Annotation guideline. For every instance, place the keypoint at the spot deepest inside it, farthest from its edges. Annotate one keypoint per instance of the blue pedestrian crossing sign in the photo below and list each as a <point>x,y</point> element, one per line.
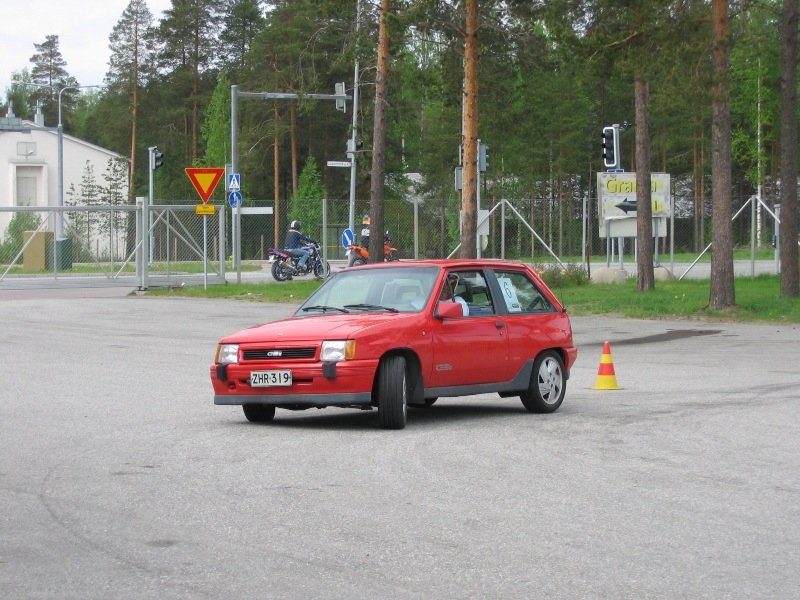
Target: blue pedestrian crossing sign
<point>234,182</point>
<point>235,199</point>
<point>347,237</point>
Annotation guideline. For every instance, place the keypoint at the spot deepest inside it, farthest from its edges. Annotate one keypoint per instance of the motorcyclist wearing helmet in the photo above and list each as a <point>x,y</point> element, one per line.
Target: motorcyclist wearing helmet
<point>365,223</point>
<point>294,243</point>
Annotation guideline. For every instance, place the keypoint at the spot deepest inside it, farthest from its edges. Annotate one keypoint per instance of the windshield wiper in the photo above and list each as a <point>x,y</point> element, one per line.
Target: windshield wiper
<point>324,308</point>
<point>371,307</point>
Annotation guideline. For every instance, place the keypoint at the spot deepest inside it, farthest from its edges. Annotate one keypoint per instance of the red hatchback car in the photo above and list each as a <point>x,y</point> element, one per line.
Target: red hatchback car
<point>391,335</point>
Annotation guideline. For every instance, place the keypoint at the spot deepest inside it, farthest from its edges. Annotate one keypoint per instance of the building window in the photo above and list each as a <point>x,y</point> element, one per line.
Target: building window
<point>26,148</point>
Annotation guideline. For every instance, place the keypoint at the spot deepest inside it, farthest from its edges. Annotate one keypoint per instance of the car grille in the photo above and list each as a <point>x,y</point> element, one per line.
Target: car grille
<point>278,353</point>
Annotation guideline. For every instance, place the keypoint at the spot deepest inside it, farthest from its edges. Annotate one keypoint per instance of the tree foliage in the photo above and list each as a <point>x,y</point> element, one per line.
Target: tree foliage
<point>551,75</point>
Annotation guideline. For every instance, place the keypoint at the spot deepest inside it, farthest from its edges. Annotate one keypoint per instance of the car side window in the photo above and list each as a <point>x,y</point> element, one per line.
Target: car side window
<point>521,295</point>
<point>470,289</point>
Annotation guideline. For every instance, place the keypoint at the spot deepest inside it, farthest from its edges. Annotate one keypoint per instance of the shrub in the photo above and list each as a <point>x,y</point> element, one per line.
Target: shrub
<point>556,276</point>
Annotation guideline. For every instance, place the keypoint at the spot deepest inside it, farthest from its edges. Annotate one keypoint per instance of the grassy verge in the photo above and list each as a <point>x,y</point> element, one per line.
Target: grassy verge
<point>130,267</point>
<point>757,299</point>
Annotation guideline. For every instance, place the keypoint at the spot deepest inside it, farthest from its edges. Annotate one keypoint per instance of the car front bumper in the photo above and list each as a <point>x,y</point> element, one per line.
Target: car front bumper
<point>344,383</point>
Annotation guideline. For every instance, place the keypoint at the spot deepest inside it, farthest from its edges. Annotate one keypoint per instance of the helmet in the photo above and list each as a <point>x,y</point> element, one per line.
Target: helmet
<point>295,224</point>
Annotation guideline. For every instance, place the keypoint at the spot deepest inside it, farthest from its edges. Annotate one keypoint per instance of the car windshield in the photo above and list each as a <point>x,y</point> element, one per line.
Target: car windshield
<point>365,289</point>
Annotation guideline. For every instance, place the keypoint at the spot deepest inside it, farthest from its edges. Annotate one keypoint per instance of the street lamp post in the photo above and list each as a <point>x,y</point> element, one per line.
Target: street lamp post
<point>60,129</point>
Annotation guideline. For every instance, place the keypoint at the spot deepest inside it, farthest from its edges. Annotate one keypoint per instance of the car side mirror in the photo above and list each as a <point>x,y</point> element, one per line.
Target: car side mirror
<point>449,310</point>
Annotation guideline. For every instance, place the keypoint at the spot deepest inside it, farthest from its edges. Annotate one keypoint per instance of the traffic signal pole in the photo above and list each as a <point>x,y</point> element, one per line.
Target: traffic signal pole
<point>235,95</point>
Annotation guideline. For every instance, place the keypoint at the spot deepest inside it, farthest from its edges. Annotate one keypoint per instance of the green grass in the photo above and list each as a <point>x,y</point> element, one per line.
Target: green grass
<point>294,291</point>
<point>757,299</point>
<point>130,267</point>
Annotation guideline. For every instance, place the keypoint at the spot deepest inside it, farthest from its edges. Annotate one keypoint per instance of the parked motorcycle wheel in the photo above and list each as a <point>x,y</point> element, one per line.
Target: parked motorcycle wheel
<point>391,257</point>
<point>322,269</point>
<point>280,271</point>
<point>356,260</point>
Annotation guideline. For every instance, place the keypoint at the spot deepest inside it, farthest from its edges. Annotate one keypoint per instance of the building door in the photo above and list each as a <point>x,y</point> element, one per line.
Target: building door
<point>26,190</point>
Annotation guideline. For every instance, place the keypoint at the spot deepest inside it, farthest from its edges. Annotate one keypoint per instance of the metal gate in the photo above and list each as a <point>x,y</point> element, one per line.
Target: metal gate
<point>132,246</point>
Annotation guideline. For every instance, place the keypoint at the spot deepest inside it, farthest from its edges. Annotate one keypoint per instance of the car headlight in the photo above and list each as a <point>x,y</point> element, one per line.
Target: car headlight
<point>336,350</point>
<point>227,354</point>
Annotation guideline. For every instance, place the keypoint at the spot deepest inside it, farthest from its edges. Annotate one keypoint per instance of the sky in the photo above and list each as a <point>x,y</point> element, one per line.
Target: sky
<point>82,27</point>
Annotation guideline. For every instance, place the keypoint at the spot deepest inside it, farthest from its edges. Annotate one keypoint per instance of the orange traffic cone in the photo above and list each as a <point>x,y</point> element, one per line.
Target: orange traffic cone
<point>606,377</point>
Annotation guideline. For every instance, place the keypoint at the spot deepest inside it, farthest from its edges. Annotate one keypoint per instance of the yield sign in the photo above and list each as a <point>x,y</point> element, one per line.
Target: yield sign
<point>204,180</point>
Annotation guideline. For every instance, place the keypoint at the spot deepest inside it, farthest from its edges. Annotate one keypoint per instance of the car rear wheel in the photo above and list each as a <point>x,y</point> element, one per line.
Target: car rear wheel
<point>392,393</point>
<point>258,413</point>
<point>548,384</point>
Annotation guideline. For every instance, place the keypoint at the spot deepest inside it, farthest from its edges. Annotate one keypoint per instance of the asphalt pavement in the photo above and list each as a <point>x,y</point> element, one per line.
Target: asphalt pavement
<point>119,478</point>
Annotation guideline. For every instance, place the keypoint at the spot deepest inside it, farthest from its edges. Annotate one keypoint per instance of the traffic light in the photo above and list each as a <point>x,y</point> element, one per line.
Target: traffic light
<point>339,91</point>
<point>156,158</point>
<point>610,147</point>
<point>483,157</point>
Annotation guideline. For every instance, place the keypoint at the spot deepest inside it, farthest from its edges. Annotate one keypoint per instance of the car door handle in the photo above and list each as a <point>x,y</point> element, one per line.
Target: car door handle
<point>499,324</point>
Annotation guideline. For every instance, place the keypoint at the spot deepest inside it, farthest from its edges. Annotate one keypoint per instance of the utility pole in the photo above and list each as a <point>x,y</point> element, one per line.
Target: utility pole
<point>351,147</point>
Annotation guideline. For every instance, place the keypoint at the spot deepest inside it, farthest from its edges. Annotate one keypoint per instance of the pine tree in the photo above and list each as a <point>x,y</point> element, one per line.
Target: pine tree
<point>188,37</point>
<point>243,19</point>
<point>49,69</point>
<point>131,66</point>
<point>307,202</point>
<point>216,127</point>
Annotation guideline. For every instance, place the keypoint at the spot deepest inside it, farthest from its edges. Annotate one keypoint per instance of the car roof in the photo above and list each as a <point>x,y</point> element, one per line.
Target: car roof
<point>450,263</point>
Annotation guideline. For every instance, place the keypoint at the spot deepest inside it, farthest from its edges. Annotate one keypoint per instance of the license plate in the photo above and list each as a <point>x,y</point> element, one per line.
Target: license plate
<point>270,378</point>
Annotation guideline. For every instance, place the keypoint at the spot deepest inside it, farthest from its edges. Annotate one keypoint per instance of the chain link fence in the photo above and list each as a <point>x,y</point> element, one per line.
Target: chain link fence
<point>104,245</point>
<point>100,242</point>
<point>528,229</point>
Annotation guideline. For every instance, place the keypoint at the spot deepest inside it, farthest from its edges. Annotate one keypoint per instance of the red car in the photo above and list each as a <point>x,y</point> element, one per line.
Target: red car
<point>391,335</point>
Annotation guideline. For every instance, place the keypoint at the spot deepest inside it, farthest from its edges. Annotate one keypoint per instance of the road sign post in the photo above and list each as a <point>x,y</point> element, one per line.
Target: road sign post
<point>204,180</point>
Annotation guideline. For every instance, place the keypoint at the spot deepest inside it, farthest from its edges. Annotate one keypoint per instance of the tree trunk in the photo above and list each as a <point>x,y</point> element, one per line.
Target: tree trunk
<point>469,140</point>
<point>644,209</point>
<point>379,138</point>
<point>722,294</point>
<point>293,135</point>
<point>790,281</point>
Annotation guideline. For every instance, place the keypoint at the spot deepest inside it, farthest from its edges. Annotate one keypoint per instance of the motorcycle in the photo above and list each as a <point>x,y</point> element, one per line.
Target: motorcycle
<point>285,266</point>
<point>359,255</point>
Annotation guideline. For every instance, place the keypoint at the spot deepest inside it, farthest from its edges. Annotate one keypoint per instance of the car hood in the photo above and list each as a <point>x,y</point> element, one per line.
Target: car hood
<point>316,327</point>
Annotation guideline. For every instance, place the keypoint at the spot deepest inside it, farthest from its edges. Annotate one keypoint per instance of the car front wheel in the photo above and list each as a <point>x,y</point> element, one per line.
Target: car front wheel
<point>548,384</point>
<point>258,413</point>
<point>392,393</point>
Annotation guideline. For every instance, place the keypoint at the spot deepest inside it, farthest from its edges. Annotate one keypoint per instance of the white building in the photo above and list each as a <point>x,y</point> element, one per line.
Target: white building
<point>29,166</point>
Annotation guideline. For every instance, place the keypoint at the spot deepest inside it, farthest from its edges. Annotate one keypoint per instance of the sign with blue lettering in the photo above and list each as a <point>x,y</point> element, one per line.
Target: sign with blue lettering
<point>348,238</point>
<point>235,199</point>
<point>234,182</point>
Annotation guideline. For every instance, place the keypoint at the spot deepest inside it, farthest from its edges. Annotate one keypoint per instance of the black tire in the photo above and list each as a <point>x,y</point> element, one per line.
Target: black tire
<point>547,386</point>
<point>356,260</point>
<point>280,272</point>
<point>322,269</point>
<point>393,393</point>
<point>258,413</point>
